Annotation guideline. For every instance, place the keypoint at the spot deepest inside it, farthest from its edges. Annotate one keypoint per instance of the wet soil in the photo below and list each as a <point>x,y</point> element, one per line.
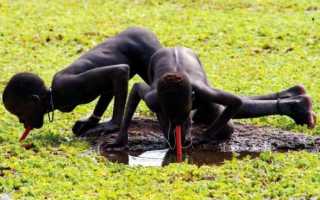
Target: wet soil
<point>145,135</point>
<point>164,157</point>
<point>148,147</point>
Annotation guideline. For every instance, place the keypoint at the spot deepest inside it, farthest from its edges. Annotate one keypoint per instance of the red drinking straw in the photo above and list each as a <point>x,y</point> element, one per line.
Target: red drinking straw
<point>178,143</point>
<point>25,134</point>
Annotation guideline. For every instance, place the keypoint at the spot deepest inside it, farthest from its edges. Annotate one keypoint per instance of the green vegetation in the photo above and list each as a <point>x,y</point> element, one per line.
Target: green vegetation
<point>247,47</point>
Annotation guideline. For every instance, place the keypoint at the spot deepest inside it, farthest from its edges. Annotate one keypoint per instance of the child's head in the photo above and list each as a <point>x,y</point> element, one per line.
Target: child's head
<point>175,96</point>
<point>24,97</point>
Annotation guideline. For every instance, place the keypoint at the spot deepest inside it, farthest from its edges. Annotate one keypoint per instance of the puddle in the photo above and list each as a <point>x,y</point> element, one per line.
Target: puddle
<point>164,157</point>
<point>145,137</point>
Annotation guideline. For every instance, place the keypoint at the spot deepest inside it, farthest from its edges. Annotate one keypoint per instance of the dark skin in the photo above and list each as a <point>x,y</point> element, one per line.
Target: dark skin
<point>182,61</point>
<point>212,106</point>
<point>102,72</point>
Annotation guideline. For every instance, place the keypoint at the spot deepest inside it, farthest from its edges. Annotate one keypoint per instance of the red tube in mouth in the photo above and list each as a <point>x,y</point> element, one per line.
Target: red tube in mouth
<point>25,134</point>
<point>178,143</point>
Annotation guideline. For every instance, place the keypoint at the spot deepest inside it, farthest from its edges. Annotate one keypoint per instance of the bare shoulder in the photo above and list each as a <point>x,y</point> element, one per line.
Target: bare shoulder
<point>161,57</point>
<point>65,82</point>
<point>187,52</point>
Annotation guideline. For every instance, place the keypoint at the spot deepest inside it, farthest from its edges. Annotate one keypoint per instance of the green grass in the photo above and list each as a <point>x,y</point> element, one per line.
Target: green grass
<point>247,47</point>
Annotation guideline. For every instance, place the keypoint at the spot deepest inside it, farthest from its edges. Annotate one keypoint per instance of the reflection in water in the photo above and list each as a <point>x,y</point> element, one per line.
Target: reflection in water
<point>164,157</point>
<point>149,158</point>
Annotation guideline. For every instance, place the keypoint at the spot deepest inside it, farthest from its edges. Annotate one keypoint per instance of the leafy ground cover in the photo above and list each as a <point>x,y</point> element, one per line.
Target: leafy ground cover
<point>247,47</point>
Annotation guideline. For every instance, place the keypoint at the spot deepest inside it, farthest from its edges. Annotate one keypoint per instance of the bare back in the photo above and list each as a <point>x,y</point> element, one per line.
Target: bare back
<point>177,59</point>
<point>133,47</point>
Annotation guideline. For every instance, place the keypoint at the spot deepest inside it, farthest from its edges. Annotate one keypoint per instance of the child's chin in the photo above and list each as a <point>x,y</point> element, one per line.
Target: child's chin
<point>37,125</point>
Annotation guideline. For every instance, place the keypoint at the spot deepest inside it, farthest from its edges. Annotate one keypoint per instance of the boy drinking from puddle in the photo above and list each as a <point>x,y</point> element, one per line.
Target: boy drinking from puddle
<point>178,85</point>
<point>102,72</point>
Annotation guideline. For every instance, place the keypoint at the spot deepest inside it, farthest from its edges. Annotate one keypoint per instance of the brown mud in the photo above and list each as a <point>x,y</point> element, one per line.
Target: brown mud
<point>145,135</point>
<point>164,157</point>
<point>148,147</point>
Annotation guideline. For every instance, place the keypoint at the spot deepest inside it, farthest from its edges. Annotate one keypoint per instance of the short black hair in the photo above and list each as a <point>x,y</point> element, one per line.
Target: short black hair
<point>22,85</point>
<point>175,95</point>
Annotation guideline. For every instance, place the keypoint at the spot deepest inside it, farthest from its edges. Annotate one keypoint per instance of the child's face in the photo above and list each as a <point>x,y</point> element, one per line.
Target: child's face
<point>29,112</point>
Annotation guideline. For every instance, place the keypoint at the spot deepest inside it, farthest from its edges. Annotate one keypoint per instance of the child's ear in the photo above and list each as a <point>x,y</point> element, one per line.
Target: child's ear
<point>35,98</point>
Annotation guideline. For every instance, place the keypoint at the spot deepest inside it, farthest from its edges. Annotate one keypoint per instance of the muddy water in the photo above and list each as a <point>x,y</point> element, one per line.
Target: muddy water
<point>164,157</point>
<point>145,137</point>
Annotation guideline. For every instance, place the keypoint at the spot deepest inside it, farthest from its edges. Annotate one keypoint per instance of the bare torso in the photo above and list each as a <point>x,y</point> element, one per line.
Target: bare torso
<point>132,47</point>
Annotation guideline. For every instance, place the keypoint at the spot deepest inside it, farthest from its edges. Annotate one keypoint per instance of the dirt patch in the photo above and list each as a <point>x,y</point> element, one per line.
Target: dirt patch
<point>145,135</point>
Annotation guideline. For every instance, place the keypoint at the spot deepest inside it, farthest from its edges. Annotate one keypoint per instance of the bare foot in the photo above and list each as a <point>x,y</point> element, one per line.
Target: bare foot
<point>300,110</point>
<point>292,92</point>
